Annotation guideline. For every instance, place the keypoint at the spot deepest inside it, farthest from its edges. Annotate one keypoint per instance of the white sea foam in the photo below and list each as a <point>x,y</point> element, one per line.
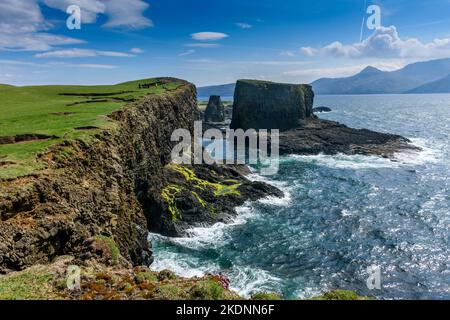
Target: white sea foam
<point>405,158</point>
<point>286,200</point>
<point>342,161</point>
<point>428,154</point>
<point>244,280</point>
<point>250,280</point>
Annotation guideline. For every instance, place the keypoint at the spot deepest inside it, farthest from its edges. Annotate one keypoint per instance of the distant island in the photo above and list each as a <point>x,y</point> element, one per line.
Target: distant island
<point>416,78</point>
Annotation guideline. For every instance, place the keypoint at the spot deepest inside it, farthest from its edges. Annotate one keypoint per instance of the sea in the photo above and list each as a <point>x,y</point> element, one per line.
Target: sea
<point>378,226</point>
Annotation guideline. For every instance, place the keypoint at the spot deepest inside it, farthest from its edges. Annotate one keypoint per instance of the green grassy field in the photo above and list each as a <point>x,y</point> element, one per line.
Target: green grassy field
<point>61,113</point>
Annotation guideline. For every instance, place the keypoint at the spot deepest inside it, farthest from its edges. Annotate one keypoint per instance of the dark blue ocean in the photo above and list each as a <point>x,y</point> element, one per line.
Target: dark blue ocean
<point>341,214</point>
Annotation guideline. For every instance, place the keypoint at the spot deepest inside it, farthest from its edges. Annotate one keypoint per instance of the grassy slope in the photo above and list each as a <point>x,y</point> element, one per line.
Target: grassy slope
<point>37,110</point>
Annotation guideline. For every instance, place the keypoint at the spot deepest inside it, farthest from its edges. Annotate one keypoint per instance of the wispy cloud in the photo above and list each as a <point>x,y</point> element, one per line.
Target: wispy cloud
<point>308,51</point>
<point>244,25</point>
<point>82,53</point>
<point>202,45</point>
<point>136,50</point>
<point>273,63</point>
<point>90,66</point>
<point>349,70</point>
<point>287,53</point>
<point>128,14</point>
<point>187,53</point>
<point>209,36</point>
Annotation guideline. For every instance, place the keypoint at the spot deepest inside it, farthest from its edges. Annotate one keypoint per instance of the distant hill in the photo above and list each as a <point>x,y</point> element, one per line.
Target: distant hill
<point>374,81</point>
<point>439,86</point>
<point>220,90</point>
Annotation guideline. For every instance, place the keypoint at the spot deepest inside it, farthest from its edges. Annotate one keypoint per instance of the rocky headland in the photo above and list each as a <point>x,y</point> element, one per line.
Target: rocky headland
<point>97,200</point>
<point>289,108</point>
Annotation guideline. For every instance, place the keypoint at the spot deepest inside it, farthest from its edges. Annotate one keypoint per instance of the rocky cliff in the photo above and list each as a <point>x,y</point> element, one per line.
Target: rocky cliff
<point>289,107</point>
<point>268,105</point>
<point>116,185</point>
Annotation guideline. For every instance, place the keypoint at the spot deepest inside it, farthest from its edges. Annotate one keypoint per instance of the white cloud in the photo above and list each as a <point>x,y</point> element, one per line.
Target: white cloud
<point>81,53</point>
<point>202,45</point>
<point>244,25</point>
<point>90,66</point>
<point>136,50</point>
<point>187,53</point>
<point>308,51</point>
<point>23,27</point>
<point>324,72</point>
<point>209,36</point>
<point>385,42</point>
<point>331,72</point>
<point>90,9</point>
<point>129,14</point>
<point>273,63</point>
<point>287,53</point>
<point>18,63</point>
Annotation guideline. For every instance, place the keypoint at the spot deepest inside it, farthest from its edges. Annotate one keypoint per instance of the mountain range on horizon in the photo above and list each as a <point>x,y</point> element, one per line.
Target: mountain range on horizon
<point>421,77</point>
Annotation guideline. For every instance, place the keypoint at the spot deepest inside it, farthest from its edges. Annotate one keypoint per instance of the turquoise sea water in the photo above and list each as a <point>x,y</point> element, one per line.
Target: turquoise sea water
<point>341,214</point>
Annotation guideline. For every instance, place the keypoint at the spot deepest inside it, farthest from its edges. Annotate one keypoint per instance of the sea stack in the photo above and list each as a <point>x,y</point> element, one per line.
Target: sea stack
<point>215,111</point>
<point>268,105</point>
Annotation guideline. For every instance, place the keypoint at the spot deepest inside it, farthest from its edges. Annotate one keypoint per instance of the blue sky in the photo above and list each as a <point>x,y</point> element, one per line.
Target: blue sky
<point>214,41</point>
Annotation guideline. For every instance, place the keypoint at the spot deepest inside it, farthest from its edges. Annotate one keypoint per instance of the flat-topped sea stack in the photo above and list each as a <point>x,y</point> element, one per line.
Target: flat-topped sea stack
<point>289,108</point>
<point>268,105</point>
<point>215,111</point>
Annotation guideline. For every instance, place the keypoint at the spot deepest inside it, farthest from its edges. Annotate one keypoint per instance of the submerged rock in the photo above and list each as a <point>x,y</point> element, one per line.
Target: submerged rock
<point>215,111</point>
<point>321,109</point>
<point>269,105</point>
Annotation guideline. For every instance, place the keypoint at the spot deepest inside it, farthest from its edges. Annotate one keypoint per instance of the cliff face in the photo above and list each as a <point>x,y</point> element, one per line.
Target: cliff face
<point>268,105</point>
<point>95,188</point>
<point>118,186</point>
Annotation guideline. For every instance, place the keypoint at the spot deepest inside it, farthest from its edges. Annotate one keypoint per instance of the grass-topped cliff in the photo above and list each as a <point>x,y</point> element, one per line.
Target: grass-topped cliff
<point>35,118</point>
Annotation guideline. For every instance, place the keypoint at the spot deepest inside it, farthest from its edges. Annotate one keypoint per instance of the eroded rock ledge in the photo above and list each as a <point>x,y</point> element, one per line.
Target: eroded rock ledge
<point>317,136</point>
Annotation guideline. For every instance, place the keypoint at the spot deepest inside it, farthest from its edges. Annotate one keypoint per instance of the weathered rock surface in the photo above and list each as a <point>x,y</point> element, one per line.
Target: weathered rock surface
<point>316,136</point>
<point>112,186</point>
<point>195,195</point>
<point>215,111</point>
<point>268,105</point>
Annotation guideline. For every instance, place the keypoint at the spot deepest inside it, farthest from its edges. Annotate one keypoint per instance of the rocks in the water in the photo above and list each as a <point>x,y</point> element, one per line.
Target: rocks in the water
<point>321,109</point>
<point>202,195</point>
<point>215,111</point>
<point>269,105</point>
<point>317,136</point>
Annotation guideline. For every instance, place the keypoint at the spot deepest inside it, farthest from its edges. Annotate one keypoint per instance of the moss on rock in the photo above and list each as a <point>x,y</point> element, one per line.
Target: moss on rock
<point>341,295</point>
<point>266,296</point>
